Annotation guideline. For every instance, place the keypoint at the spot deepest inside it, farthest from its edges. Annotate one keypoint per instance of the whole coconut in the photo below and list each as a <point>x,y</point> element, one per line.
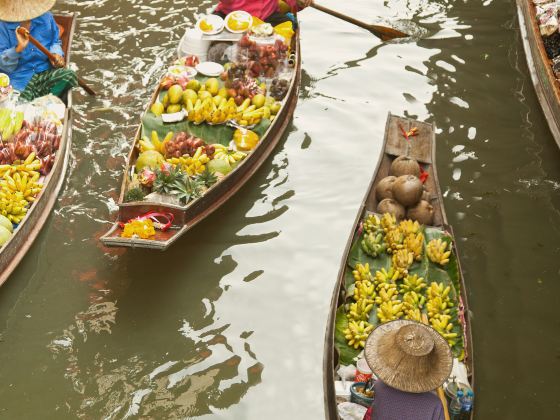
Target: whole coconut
<point>404,165</point>
<point>423,212</point>
<point>391,206</point>
<point>384,188</point>
<point>408,190</point>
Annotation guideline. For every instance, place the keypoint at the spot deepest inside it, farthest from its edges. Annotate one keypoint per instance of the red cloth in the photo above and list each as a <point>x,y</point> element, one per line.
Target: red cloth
<point>368,414</point>
<point>259,8</point>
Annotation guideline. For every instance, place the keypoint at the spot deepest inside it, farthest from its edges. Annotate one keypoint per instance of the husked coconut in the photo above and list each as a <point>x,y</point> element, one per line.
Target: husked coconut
<point>404,165</point>
<point>384,188</point>
<point>407,190</point>
<point>391,206</point>
<point>423,213</point>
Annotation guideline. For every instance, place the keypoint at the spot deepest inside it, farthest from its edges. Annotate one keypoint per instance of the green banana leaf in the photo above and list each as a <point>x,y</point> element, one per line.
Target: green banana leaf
<point>448,275</point>
<point>346,353</point>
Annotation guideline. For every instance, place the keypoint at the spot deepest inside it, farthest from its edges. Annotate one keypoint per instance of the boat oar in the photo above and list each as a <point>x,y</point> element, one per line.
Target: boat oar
<point>382,32</point>
<point>51,57</point>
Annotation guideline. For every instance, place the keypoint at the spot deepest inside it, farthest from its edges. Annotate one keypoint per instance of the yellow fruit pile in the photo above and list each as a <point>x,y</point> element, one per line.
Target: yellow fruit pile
<point>192,165</point>
<point>213,110</point>
<point>19,187</point>
<point>155,143</point>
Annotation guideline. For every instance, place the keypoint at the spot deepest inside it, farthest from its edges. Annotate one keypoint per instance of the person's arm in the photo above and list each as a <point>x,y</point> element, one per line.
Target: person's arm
<point>9,56</point>
<point>56,45</point>
<point>298,4</point>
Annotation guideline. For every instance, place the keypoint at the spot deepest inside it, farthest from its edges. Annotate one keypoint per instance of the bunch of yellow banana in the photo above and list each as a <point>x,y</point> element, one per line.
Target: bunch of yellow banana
<point>192,165</point>
<point>373,244</point>
<point>412,314</point>
<point>394,238</point>
<point>402,260</point>
<point>438,302</point>
<point>390,310</point>
<point>414,242</point>
<point>22,183</point>
<point>372,223</point>
<point>248,114</point>
<point>12,205</point>
<point>412,283</point>
<point>364,290</point>
<point>408,227</point>
<point>357,333</point>
<point>29,165</point>
<point>386,295</point>
<point>360,310</point>
<point>388,221</point>
<point>414,300</point>
<point>385,279</point>
<point>216,110</point>
<point>362,273</point>
<point>229,156</point>
<point>443,326</point>
<point>155,143</point>
<point>436,250</point>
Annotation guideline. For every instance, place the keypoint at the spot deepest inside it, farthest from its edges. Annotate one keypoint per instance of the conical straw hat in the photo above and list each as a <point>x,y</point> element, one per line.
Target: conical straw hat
<point>22,10</point>
<point>409,356</point>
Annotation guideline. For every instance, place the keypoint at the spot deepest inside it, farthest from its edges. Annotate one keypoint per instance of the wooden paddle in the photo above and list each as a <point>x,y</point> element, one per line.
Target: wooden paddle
<point>51,57</point>
<point>382,32</point>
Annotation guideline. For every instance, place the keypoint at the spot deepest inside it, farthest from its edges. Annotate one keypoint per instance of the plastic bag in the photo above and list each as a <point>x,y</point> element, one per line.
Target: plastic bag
<point>547,17</point>
<point>351,411</point>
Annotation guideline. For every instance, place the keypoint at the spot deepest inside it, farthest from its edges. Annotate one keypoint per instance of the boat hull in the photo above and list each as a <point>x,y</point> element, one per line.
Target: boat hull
<point>393,145</point>
<point>16,248</point>
<point>546,86</point>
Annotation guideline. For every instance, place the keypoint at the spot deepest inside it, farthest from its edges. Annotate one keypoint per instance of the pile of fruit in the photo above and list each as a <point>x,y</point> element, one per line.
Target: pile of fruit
<point>263,57</point>
<point>403,193</point>
<point>403,291</point>
<point>214,105</point>
<point>27,152</point>
<point>180,165</point>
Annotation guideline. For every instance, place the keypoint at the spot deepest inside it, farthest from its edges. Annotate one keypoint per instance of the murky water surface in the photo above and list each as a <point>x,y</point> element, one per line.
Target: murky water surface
<point>229,323</point>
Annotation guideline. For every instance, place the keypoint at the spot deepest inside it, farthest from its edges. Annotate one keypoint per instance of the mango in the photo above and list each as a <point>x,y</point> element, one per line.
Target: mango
<point>193,84</point>
<point>212,86</point>
<point>189,94</point>
<point>175,93</point>
<point>157,108</point>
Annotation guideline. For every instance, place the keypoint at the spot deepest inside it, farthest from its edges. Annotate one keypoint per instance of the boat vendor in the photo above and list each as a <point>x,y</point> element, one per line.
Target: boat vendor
<point>30,70</point>
<point>411,360</point>
<point>266,10</point>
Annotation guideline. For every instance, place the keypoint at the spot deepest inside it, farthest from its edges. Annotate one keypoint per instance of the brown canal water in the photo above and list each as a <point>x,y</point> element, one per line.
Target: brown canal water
<point>229,323</point>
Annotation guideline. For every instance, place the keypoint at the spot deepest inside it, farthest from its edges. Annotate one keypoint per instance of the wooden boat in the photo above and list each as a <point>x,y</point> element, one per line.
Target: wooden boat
<point>546,86</point>
<point>15,249</point>
<point>186,217</point>
<point>422,148</point>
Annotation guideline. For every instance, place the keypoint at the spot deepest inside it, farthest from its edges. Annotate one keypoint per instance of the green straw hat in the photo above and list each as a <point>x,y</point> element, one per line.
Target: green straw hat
<point>22,10</point>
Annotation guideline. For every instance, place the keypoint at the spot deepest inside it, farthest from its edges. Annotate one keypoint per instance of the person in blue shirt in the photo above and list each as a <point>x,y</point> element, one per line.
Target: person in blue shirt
<point>30,70</point>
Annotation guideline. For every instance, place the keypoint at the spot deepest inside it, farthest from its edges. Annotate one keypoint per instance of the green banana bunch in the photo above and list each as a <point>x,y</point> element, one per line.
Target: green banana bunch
<point>408,227</point>
<point>412,283</point>
<point>373,244</point>
<point>436,250</point>
<point>386,295</point>
<point>360,310</point>
<point>372,224</point>
<point>390,310</point>
<point>362,273</point>
<point>402,260</point>
<point>414,242</point>
<point>388,222</point>
<point>385,279</point>
<point>357,333</point>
